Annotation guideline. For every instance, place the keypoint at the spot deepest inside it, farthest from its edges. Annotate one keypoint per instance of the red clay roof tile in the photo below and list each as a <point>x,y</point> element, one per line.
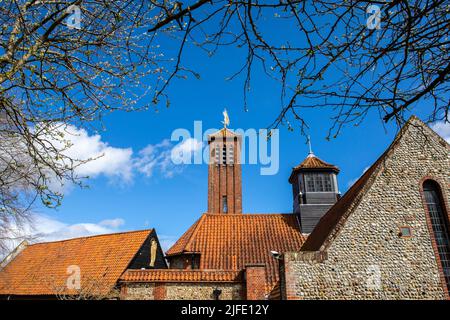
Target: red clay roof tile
<point>312,162</point>
<point>177,275</point>
<point>41,269</point>
<point>232,241</point>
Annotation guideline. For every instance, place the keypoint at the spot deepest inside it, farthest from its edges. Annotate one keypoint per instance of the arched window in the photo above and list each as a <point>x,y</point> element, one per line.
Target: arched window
<point>439,223</point>
<point>224,204</point>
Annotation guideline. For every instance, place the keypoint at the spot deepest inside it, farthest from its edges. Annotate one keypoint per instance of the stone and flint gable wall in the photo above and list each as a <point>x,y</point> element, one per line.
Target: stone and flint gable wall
<point>366,258</point>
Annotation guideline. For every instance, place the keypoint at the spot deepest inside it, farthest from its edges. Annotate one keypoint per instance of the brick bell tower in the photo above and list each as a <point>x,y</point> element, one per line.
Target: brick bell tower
<point>224,171</point>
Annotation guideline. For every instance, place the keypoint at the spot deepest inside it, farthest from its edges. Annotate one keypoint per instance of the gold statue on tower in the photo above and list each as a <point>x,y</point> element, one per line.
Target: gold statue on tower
<point>226,119</point>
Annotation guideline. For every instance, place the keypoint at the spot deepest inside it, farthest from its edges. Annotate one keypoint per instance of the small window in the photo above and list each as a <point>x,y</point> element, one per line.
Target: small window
<point>310,183</point>
<point>327,183</point>
<point>224,204</point>
<point>224,155</point>
<point>318,182</point>
<point>216,154</point>
<point>230,155</point>
<point>405,232</point>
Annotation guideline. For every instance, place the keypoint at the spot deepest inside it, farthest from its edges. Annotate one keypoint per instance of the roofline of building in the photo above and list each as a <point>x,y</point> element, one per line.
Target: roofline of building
<point>93,236</point>
<point>10,257</point>
<point>182,253</point>
<point>248,214</point>
<point>220,132</point>
<point>235,276</point>
<point>199,221</point>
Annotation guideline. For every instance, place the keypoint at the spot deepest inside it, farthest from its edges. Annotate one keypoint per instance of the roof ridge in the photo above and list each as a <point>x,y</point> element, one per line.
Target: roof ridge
<point>247,214</point>
<point>13,254</point>
<point>233,241</point>
<point>194,232</point>
<point>414,118</point>
<point>311,163</point>
<point>92,236</point>
<point>182,270</point>
<point>223,132</point>
<point>39,269</point>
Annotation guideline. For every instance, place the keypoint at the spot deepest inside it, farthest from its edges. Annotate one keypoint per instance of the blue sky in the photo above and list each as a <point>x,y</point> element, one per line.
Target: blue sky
<point>171,199</point>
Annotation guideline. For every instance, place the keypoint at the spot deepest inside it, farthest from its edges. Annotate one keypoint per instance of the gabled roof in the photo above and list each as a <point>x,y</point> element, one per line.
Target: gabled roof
<point>224,132</point>
<point>312,162</point>
<point>232,241</point>
<point>334,219</point>
<point>42,268</point>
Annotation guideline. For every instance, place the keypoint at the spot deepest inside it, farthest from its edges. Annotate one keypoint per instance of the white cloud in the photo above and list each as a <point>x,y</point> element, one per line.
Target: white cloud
<point>443,129</point>
<point>166,158</point>
<point>119,164</point>
<point>153,157</point>
<point>46,228</point>
<point>183,152</point>
<point>109,161</point>
<point>40,228</point>
<point>112,223</point>
<point>43,228</point>
<point>352,182</point>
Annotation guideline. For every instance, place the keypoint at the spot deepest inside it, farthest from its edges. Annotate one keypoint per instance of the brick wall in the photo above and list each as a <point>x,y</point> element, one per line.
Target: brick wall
<point>225,180</point>
<point>255,282</point>
<point>367,258</point>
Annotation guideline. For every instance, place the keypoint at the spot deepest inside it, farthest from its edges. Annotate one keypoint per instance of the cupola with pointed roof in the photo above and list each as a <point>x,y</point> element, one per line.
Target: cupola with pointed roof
<point>314,188</point>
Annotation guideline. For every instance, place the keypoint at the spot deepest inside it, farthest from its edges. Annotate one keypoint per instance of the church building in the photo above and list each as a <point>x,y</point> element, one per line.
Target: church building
<point>387,237</point>
<point>225,254</point>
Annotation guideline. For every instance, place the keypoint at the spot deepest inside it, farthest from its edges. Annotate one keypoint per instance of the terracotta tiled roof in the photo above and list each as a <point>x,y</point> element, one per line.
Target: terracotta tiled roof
<point>275,293</point>
<point>41,269</point>
<point>232,241</point>
<point>182,242</point>
<point>312,162</point>
<point>330,223</point>
<point>177,275</point>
